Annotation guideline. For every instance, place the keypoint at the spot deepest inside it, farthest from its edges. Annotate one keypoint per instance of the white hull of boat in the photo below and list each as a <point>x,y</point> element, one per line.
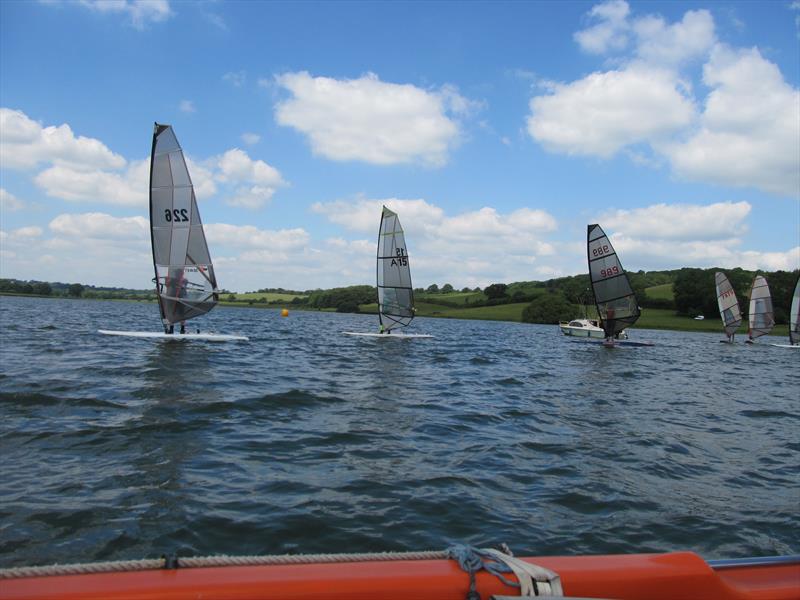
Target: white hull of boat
<point>183,337</point>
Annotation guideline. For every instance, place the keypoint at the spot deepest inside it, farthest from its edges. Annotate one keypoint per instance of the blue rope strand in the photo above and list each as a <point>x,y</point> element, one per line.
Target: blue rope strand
<point>472,560</point>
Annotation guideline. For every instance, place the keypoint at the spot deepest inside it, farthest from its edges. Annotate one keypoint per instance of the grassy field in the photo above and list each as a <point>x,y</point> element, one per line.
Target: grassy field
<point>455,297</point>
<point>660,292</point>
<point>269,297</point>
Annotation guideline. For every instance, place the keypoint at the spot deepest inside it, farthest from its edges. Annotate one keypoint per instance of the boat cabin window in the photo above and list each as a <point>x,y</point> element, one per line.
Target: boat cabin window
<point>576,324</point>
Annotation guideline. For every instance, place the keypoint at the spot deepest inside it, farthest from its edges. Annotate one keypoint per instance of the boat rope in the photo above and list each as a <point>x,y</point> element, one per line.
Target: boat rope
<point>214,561</point>
<point>533,579</point>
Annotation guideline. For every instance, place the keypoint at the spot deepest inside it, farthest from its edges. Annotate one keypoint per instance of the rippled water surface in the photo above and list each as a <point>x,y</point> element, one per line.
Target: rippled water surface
<point>305,440</point>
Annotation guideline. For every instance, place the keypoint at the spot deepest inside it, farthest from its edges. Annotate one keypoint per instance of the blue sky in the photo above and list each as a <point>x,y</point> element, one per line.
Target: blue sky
<point>496,130</point>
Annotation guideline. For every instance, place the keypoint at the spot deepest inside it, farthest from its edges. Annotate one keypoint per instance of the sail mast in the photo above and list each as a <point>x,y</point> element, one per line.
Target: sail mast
<point>613,295</point>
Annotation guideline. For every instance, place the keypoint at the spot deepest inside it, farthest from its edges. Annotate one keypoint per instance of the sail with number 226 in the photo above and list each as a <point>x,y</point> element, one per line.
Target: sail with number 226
<point>395,294</point>
<point>185,281</point>
<point>613,294</point>
<point>728,305</point>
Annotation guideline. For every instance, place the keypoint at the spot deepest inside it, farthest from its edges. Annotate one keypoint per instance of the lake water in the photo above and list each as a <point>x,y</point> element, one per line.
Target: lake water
<point>305,440</point>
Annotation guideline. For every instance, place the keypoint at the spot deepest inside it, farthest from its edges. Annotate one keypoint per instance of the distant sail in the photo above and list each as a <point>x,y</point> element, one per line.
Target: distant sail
<point>761,315</point>
<point>185,281</point>
<point>794,319</point>
<point>613,294</point>
<point>728,305</point>
<point>395,294</point>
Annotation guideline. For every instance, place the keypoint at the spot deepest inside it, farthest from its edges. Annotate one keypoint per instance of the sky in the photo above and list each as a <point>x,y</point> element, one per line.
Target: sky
<point>496,130</point>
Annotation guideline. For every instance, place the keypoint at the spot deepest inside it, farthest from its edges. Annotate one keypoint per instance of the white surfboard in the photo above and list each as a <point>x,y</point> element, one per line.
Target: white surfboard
<point>786,345</point>
<point>393,336</point>
<point>209,337</point>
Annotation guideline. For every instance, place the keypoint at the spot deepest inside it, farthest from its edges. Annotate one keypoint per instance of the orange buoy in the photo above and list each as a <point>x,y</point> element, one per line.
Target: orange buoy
<point>285,312</point>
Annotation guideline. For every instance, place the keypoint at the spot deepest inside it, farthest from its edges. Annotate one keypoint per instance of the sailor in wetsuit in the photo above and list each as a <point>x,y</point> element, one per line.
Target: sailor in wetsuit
<point>176,287</point>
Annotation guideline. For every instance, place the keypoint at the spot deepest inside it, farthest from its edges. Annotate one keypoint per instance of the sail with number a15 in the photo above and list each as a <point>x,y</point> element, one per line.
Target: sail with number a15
<point>395,294</point>
<point>794,318</point>
<point>613,295</point>
<point>728,305</point>
<point>185,281</point>
<point>761,316</point>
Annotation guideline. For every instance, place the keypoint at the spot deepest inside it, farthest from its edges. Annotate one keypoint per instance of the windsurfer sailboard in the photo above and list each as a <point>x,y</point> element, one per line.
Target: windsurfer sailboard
<point>728,306</point>
<point>395,293</point>
<point>761,316</point>
<point>613,295</point>
<point>794,320</point>
<point>185,282</point>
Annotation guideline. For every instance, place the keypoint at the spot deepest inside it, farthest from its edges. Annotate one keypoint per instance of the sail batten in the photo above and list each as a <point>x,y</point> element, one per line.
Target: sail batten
<point>616,303</point>
<point>395,292</point>
<point>185,282</point>
<point>761,316</point>
<point>729,310</point>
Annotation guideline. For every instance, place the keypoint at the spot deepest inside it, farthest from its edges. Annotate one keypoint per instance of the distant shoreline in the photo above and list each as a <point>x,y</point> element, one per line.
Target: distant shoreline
<point>652,318</point>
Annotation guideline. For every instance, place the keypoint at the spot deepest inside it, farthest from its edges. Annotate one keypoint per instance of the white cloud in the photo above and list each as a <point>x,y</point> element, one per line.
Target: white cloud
<point>25,144</point>
<point>370,120</point>
<point>235,78</point>
<point>476,247</point>
<point>101,226</point>
<point>250,138</point>
<point>682,221</point>
<point>77,185</point>
<point>749,129</point>
<point>9,202</point>
<point>236,166</point>
<point>253,198</point>
<point>610,33</point>
<point>667,237</point>
<point>24,234</point>
<point>187,106</point>
<point>746,136</point>
<point>140,12</point>
<point>604,112</point>
<point>670,45</point>
<point>248,236</point>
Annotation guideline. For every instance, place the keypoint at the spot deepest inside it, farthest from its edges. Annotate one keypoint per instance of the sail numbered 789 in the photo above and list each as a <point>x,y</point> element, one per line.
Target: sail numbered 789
<point>185,281</point>
<point>395,294</point>
<point>613,294</point>
<point>728,305</point>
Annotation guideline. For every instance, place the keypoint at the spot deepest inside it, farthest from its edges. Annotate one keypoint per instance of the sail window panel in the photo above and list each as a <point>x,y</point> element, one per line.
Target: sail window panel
<point>605,268</point>
<point>180,241</point>
<point>611,289</point>
<point>162,174</point>
<point>180,174</point>
<point>160,204</point>
<point>182,207</point>
<point>599,248</point>
<point>195,212</point>
<point>393,275</point>
<point>161,242</point>
<point>197,249</point>
<point>166,142</point>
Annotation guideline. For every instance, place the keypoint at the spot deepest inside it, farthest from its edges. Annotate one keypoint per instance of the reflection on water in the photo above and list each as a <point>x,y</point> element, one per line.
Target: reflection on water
<point>308,440</point>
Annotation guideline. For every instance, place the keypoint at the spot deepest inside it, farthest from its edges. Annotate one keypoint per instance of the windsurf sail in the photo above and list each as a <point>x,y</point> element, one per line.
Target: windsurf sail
<point>794,318</point>
<point>185,281</point>
<point>613,295</point>
<point>761,315</point>
<point>728,305</point>
<point>395,294</point>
